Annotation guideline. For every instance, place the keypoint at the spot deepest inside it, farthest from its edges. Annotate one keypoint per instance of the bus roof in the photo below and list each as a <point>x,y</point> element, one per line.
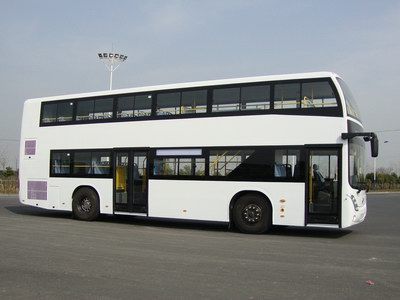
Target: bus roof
<point>194,84</point>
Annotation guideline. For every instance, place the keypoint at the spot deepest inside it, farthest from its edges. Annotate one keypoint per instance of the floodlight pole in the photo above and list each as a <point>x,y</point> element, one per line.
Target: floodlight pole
<point>112,61</point>
<point>111,73</point>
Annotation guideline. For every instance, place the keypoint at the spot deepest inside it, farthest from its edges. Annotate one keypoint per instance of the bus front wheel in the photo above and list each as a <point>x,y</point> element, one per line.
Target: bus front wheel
<point>252,214</point>
<point>85,204</point>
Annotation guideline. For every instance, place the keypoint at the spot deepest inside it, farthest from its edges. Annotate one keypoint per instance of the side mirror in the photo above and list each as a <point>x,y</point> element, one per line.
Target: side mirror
<point>368,137</point>
<point>374,145</point>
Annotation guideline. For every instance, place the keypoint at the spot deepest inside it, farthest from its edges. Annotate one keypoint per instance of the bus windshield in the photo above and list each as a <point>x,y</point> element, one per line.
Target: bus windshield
<point>351,105</point>
<point>356,162</point>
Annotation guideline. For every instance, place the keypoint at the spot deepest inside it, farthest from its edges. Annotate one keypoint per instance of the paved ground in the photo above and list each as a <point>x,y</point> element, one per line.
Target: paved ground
<point>46,254</point>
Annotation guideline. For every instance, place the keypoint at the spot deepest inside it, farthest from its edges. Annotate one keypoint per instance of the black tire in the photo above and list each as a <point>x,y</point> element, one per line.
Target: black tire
<point>252,214</point>
<point>85,204</point>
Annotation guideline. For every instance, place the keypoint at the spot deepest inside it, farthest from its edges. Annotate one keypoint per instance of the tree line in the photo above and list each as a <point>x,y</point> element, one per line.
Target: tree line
<point>8,173</point>
<point>385,180</point>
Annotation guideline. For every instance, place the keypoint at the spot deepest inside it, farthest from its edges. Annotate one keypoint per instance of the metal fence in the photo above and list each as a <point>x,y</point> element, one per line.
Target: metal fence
<point>9,186</point>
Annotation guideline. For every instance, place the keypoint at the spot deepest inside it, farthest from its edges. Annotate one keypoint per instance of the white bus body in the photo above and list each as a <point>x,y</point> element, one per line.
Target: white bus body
<point>313,138</point>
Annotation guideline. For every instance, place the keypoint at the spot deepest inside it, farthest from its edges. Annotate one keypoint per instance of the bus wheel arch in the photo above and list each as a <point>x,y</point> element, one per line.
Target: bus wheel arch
<point>255,203</point>
<point>85,203</point>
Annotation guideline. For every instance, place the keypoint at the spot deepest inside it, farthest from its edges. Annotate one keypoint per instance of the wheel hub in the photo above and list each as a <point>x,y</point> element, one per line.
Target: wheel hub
<point>86,205</point>
<point>252,213</point>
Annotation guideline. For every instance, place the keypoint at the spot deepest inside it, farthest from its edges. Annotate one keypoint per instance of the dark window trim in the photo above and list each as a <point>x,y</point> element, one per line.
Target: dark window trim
<point>169,92</point>
<point>328,111</point>
<point>332,85</point>
<point>99,99</point>
<point>289,82</point>
<point>192,158</point>
<point>239,86</point>
<point>115,107</point>
<point>58,110</point>
<point>193,90</point>
<point>71,167</point>
<point>76,110</point>
<point>58,123</point>
<point>206,156</point>
<point>95,100</point>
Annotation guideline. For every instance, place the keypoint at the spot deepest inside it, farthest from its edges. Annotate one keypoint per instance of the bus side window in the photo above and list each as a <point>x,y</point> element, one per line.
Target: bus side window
<point>279,170</point>
<point>299,170</point>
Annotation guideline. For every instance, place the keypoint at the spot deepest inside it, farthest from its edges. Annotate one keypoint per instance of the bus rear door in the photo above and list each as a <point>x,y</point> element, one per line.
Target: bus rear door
<point>131,180</point>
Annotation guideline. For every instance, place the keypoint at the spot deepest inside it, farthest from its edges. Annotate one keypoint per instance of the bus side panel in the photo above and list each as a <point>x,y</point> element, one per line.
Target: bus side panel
<point>209,200</point>
<point>59,193</point>
<point>103,187</point>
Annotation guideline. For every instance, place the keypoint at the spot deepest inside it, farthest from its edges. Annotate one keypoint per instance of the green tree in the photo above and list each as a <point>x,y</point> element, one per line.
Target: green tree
<point>370,177</point>
<point>8,172</point>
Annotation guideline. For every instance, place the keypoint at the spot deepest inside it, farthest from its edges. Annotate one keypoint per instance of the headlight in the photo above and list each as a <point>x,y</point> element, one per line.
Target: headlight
<point>354,201</point>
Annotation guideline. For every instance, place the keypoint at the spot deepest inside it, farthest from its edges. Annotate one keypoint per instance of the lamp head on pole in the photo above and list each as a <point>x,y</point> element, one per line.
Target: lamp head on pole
<point>112,61</point>
<point>113,56</point>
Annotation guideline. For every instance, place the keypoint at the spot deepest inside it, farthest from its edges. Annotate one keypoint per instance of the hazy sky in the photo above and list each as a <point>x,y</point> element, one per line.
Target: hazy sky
<point>49,48</point>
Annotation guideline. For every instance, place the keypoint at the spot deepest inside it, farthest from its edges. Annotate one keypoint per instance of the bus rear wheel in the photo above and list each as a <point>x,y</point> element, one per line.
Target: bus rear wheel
<point>85,204</point>
<point>252,214</point>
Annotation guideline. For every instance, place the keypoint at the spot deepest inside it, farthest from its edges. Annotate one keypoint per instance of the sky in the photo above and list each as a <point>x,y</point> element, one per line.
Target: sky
<point>50,48</point>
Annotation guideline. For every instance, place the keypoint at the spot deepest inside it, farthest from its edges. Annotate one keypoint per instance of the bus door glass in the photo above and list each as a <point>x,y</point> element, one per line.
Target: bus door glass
<point>121,182</point>
<point>130,181</point>
<point>139,182</point>
<point>323,180</point>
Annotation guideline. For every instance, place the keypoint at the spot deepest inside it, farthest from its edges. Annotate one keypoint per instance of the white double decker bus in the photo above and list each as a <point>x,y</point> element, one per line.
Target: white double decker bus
<point>252,152</point>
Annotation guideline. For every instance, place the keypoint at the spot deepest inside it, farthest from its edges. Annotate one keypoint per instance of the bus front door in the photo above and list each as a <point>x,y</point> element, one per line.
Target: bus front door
<point>323,186</point>
<point>130,181</point>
